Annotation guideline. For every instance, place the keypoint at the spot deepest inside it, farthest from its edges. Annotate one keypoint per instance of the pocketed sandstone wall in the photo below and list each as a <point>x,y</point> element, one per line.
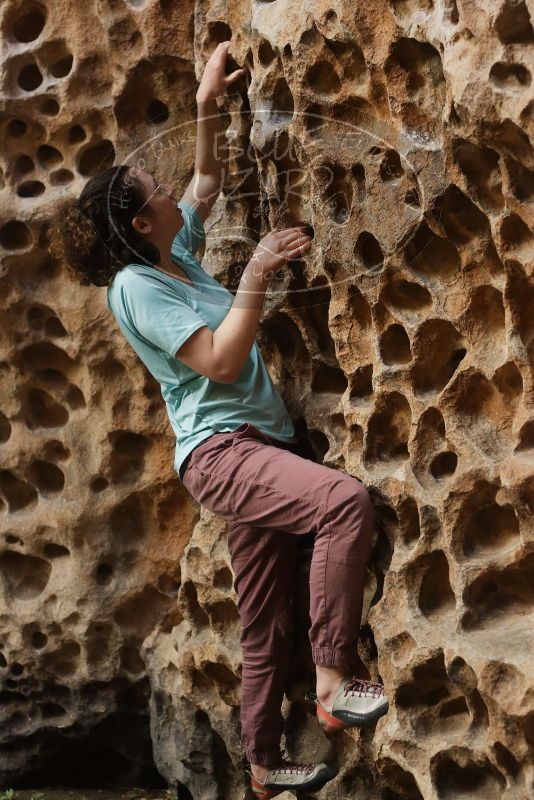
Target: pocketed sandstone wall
<point>402,345</point>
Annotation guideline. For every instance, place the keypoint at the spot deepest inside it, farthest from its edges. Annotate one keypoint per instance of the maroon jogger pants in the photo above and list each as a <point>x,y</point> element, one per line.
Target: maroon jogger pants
<point>269,496</point>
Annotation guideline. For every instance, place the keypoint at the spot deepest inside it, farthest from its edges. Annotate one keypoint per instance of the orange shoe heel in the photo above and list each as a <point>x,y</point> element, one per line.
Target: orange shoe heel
<point>329,723</point>
<point>260,791</point>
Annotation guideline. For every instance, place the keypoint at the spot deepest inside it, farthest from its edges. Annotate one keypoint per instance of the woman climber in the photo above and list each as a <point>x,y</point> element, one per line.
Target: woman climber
<point>234,437</point>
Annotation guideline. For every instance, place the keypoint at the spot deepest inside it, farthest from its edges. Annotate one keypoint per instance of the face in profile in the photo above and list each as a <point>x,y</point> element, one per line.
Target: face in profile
<point>159,207</point>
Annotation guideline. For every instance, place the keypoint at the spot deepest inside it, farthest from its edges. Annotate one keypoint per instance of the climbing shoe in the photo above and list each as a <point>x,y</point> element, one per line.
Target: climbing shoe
<point>357,702</point>
<point>289,775</point>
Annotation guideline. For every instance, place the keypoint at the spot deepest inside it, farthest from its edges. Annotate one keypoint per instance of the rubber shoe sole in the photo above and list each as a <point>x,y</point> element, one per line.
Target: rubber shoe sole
<point>265,791</point>
<point>344,719</point>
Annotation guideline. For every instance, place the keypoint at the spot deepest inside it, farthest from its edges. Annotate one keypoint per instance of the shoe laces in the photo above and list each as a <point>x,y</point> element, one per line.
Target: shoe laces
<point>363,687</point>
<point>288,767</point>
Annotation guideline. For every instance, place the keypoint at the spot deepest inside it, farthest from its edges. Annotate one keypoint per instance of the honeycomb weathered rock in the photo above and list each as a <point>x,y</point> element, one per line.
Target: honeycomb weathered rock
<point>403,346</point>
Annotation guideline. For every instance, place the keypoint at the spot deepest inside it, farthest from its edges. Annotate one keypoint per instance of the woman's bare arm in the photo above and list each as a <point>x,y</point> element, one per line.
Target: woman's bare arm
<point>221,354</point>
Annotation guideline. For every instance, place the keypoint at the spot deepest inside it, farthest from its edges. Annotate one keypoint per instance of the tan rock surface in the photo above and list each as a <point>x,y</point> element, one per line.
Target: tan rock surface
<point>403,346</point>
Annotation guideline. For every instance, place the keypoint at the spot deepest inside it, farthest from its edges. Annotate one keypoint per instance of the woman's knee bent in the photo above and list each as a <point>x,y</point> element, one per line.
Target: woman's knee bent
<point>350,506</point>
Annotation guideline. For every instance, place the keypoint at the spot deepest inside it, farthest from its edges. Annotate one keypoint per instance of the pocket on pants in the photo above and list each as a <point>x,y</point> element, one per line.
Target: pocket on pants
<point>248,430</point>
<point>210,490</point>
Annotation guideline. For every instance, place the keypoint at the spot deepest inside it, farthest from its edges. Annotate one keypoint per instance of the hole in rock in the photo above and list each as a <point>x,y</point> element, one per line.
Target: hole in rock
<point>438,350</point>
<point>23,165</point>
<point>48,156</point>
<point>323,79</point>
<point>414,71</point>
<point>77,134</point>
<point>480,165</point>
<point>49,107</point>
<point>443,465</point>
<point>219,31</point>
<point>435,593</point>
<point>513,24</point>
<point>310,36</point>
<point>47,477</point>
<point>497,595</point>
<point>458,777</point>
<point>15,235</point>
<point>222,614</point>
<point>313,303</point>
<point>30,189</point>
<point>130,659</point>
<point>61,67</point>
<point>38,640</point>
<point>437,701</point>
<point>506,760</point>
<point>508,381</point>
<point>17,128</point>
<point>195,612</point>
<point>226,682</point>
<point>30,23</point>
<point>450,12</point>
<point>411,198</point>
<point>96,158</point>
<point>391,167</point>
<point>407,297</point>
<point>25,576</point>
<point>315,119</point>
<point>399,784</point>
<point>329,380</point>
<point>361,385</point>
<point>368,252</point>
<point>460,218</point>
<point>483,526</point>
<point>128,455</point>
<point>486,320</point>
<point>17,492</point>
<point>515,231</point>
<point>521,179</point>
<point>54,550</point>
<point>5,428</point>
<point>395,346</point>
<point>509,76</point>
<point>389,429</point>
<point>157,112</point>
<point>30,77</point>
<point>99,484</point>
<point>60,177</point>
<point>266,53</point>
<point>223,579</point>
<point>482,413</point>
<point>431,428</point>
<point>432,255</point>
<point>40,410</point>
<point>526,437</point>
<point>409,523</point>
<point>282,102</point>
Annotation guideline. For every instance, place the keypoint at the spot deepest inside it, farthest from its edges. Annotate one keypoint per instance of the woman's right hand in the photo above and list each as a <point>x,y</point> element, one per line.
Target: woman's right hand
<point>277,248</point>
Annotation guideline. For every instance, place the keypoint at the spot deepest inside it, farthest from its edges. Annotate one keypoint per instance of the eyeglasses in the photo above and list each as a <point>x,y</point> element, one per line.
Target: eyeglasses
<point>151,195</point>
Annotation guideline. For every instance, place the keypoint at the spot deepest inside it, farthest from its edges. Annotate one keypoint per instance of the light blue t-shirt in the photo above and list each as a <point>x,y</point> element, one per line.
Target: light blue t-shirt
<point>157,313</point>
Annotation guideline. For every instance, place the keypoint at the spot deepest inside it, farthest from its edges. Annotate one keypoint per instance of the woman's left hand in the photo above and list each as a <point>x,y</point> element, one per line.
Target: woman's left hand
<point>214,82</point>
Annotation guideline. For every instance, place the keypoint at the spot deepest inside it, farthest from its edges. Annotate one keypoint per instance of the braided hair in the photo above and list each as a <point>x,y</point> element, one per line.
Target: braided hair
<point>93,236</point>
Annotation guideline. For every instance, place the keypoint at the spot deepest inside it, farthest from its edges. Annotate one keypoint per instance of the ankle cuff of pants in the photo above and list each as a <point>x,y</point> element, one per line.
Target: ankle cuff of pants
<point>326,657</point>
<point>263,758</point>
